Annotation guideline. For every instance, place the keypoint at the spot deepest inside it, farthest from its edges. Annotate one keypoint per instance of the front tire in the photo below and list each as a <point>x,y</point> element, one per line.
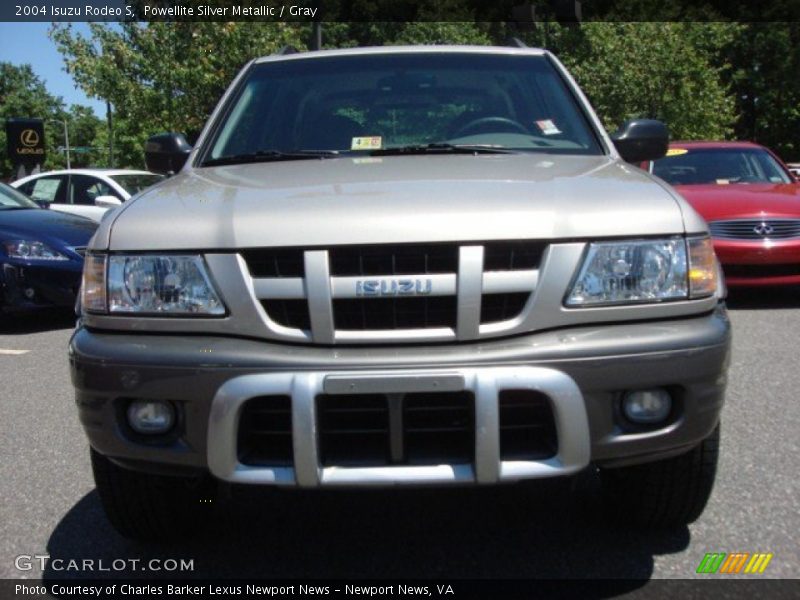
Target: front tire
<point>148,507</point>
<point>668,493</point>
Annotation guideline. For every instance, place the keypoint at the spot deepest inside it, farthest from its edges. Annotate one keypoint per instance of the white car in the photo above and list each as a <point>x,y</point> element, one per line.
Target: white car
<point>85,192</point>
<point>794,168</point>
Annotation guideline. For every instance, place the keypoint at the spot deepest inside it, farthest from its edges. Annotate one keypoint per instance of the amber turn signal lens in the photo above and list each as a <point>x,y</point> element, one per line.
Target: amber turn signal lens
<point>93,286</point>
<point>702,268</point>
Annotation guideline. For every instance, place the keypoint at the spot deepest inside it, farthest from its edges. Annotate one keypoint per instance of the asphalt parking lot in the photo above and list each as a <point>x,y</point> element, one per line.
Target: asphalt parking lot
<point>48,504</point>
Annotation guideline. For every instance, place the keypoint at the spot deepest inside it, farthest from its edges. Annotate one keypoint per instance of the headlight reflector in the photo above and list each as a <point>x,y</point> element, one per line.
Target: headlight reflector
<point>629,272</point>
<point>161,285</point>
<point>31,250</point>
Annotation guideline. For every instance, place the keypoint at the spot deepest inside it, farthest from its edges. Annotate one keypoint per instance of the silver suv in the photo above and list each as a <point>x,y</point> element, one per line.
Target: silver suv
<point>401,266</point>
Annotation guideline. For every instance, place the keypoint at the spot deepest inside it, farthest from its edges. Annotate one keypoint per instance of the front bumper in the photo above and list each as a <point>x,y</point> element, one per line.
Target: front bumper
<point>583,371</point>
<point>757,263</point>
<point>28,287</point>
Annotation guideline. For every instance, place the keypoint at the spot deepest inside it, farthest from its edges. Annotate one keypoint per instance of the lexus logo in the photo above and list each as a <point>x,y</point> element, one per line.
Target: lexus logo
<point>29,138</point>
<point>763,229</point>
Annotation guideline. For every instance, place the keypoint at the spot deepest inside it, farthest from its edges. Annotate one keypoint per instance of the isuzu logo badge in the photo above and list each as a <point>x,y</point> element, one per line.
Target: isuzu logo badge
<point>393,287</point>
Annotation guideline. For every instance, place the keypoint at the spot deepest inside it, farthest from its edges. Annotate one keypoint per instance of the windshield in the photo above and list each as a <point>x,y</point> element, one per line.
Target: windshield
<point>721,166</point>
<point>11,199</point>
<point>370,104</point>
<point>135,183</point>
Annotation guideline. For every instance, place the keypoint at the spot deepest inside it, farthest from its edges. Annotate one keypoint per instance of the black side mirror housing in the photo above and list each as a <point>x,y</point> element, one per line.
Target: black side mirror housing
<point>641,140</point>
<point>166,153</point>
<point>41,203</point>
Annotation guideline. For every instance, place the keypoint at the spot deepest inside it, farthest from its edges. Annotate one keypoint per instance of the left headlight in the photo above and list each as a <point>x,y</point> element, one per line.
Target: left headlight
<point>32,250</point>
<point>149,285</point>
<point>641,271</point>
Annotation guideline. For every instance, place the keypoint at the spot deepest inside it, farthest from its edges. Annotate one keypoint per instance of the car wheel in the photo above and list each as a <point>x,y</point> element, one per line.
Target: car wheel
<point>149,507</point>
<point>667,493</point>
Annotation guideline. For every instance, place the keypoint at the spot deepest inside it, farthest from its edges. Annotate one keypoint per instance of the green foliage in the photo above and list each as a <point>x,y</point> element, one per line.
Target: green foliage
<point>704,79</point>
<point>23,94</point>
<point>164,76</point>
<point>666,71</point>
<point>766,82</point>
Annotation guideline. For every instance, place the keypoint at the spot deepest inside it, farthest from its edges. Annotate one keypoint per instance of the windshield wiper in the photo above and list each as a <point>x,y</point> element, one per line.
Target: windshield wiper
<point>268,156</point>
<point>444,148</point>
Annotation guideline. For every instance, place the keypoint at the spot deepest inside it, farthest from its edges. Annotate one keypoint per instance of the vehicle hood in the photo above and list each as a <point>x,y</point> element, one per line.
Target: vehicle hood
<point>48,226</point>
<point>399,199</point>
<point>715,202</point>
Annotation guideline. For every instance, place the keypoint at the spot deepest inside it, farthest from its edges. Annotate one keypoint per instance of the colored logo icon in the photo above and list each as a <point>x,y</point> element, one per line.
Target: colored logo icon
<point>734,563</point>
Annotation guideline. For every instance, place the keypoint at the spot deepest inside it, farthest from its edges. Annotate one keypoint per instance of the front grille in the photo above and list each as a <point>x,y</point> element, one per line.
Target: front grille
<point>393,260</point>
<point>512,256</point>
<point>410,429</point>
<point>413,292</point>
<point>761,271</point>
<point>394,313</point>
<point>439,428</point>
<point>265,432</point>
<point>756,229</point>
<point>353,429</point>
<point>274,262</point>
<point>527,427</point>
<point>501,307</point>
<point>289,313</point>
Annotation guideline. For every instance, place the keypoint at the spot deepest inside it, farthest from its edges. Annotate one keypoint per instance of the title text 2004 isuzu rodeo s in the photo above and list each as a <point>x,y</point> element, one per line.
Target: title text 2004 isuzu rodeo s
<point>401,266</point>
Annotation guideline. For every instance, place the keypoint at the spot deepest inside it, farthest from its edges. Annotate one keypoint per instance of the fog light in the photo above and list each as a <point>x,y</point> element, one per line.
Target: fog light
<point>647,406</point>
<point>151,416</point>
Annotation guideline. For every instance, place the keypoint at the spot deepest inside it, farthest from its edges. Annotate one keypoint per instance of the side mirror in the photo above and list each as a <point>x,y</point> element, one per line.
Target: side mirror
<point>166,153</point>
<point>41,203</point>
<point>640,140</point>
<point>107,201</point>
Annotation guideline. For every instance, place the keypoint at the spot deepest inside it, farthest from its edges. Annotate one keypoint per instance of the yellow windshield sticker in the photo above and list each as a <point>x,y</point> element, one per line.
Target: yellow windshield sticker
<point>366,143</point>
<point>676,151</point>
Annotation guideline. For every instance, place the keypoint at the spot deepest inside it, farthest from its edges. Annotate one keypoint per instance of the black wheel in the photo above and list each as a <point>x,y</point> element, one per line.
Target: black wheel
<point>490,124</point>
<point>667,493</point>
<point>150,507</point>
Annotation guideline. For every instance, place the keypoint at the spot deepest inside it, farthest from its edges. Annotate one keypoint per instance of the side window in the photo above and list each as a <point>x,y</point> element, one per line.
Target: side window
<point>27,188</point>
<point>49,189</point>
<point>84,189</point>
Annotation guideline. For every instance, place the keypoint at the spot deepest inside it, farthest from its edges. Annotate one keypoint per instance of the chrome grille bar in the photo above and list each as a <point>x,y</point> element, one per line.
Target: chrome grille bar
<point>320,306</point>
<point>470,274</point>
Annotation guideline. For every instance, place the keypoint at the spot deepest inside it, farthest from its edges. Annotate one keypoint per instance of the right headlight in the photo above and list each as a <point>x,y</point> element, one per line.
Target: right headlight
<point>153,285</point>
<point>641,271</point>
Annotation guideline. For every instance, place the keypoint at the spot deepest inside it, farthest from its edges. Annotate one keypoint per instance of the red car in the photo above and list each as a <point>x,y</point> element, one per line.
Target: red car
<point>751,202</point>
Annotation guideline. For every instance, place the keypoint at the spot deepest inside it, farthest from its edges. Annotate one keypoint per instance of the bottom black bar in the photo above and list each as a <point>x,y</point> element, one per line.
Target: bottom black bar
<point>711,587</point>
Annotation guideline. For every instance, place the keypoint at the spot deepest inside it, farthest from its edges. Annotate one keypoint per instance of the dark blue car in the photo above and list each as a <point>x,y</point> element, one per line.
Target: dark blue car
<point>41,254</point>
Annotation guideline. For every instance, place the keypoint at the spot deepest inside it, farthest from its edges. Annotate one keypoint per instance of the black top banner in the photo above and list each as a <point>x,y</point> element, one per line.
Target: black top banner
<point>25,141</point>
<point>275,11</point>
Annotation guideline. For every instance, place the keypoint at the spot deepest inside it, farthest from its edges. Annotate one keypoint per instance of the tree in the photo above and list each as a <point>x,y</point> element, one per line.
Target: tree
<point>22,94</point>
<point>164,76</point>
<point>667,71</point>
<point>767,85</point>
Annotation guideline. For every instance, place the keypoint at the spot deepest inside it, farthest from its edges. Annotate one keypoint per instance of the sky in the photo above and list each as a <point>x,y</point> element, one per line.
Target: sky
<point>22,43</point>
